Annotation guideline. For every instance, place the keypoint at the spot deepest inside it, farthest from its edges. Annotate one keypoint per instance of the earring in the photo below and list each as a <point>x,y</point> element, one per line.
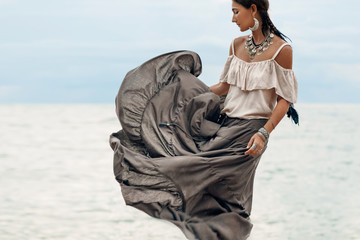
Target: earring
<point>256,25</point>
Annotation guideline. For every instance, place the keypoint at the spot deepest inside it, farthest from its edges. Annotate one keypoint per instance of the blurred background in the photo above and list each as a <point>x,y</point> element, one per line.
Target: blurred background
<point>62,63</point>
<point>78,51</point>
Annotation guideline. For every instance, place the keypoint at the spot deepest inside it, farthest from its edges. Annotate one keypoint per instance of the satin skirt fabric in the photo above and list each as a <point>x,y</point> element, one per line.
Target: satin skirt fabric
<point>174,160</point>
<point>208,195</point>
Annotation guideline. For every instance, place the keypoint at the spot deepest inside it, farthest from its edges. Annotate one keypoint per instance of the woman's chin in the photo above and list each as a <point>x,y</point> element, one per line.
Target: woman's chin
<point>243,30</point>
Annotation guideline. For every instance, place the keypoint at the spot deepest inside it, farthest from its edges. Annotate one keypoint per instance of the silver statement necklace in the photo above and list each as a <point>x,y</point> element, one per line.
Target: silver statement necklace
<point>258,49</point>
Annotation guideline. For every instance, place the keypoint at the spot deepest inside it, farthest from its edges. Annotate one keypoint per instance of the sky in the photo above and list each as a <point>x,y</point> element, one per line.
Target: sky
<point>78,51</point>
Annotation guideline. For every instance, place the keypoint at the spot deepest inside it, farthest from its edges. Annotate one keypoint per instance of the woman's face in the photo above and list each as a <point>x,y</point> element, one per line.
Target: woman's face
<point>242,16</point>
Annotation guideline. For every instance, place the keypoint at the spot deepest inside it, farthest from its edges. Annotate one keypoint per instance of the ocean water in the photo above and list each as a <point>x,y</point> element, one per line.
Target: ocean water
<point>56,179</point>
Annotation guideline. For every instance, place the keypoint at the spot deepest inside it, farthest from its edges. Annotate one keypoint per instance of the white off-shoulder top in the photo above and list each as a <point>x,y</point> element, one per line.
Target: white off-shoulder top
<point>255,86</point>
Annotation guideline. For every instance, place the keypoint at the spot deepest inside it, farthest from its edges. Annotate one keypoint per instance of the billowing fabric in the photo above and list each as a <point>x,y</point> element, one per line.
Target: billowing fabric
<point>256,85</point>
<point>174,160</point>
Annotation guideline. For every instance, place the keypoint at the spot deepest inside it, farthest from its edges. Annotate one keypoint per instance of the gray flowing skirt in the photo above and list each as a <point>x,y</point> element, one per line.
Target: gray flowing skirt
<point>174,159</point>
<point>208,195</point>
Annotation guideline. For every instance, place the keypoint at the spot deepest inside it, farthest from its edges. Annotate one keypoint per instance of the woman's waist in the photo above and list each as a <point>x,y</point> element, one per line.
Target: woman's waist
<point>226,120</point>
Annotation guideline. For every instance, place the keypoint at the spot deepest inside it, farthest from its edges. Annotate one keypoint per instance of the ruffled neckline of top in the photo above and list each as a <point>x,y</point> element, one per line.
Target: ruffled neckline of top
<point>260,62</point>
<point>260,75</point>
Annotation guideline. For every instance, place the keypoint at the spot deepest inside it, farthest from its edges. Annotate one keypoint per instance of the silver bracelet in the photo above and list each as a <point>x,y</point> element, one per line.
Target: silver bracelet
<point>272,123</point>
<point>262,136</point>
<point>264,133</point>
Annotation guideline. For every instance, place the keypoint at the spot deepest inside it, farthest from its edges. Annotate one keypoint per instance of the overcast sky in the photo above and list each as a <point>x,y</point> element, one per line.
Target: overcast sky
<point>78,51</point>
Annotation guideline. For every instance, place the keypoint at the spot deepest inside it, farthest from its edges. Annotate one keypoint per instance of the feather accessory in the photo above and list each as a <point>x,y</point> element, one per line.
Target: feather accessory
<point>292,114</point>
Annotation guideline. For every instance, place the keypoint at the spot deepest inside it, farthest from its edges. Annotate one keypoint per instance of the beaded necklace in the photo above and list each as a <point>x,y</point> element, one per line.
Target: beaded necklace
<point>258,49</point>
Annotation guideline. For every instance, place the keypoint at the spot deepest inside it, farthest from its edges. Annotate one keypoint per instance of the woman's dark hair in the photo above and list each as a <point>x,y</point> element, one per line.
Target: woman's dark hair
<point>263,7</point>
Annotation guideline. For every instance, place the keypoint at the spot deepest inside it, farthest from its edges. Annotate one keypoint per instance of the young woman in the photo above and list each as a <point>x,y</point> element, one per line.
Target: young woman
<point>257,77</point>
<point>174,158</point>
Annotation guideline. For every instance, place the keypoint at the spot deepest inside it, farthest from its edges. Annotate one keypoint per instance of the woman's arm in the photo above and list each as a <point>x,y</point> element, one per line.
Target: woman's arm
<point>284,59</point>
<point>278,114</point>
<point>220,88</point>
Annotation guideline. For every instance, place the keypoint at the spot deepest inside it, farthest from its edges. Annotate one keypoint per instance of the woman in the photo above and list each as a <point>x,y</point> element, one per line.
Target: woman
<point>255,57</point>
<point>174,158</point>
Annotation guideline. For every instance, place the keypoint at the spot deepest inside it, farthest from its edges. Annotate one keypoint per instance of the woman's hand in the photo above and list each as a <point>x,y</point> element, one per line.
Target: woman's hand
<point>255,145</point>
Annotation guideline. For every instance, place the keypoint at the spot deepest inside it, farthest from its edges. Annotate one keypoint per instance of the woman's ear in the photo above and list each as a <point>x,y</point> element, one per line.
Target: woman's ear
<point>253,8</point>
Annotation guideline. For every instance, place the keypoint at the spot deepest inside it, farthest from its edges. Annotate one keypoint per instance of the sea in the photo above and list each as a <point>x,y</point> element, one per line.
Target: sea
<point>57,181</point>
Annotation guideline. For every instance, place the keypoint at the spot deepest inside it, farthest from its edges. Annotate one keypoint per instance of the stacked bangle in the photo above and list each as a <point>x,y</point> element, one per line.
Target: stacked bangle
<point>263,133</point>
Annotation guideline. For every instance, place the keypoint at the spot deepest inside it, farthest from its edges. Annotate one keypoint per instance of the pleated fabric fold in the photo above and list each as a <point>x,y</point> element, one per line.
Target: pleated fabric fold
<point>174,160</point>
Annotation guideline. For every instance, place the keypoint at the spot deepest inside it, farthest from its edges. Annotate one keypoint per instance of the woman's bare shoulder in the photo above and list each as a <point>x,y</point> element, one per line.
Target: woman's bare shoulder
<point>285,56</point>
<point>240,40</point>
<point>237,42</point>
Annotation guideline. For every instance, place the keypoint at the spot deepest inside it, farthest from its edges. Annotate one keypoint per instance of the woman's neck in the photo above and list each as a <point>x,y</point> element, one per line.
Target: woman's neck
<point>258,36</point>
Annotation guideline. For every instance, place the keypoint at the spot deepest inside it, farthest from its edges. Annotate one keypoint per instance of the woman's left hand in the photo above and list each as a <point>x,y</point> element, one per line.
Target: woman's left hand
<point>255,145</point>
